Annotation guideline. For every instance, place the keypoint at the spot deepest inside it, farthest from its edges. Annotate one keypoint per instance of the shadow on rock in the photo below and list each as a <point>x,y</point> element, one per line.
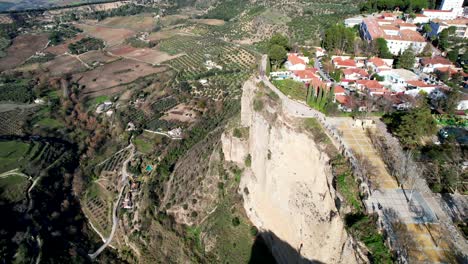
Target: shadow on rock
<point>268,248</point>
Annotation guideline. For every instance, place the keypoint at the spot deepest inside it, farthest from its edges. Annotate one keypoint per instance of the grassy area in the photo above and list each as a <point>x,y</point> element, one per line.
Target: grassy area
<point>13,188</point>
<point>50,123</point>
<point>348,188</point>
<point>291,88</point>
<point>313,126</point>
<point>11,154</point>
<point>233,233</point>
<point>365,229</point>
<point>146,142</point>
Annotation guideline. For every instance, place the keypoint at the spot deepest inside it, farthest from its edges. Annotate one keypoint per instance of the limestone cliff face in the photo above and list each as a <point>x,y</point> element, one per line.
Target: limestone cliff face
<point>287,190</point>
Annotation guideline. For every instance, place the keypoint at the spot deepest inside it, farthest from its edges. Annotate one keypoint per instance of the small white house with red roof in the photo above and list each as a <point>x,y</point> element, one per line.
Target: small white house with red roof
<point>305,75</point>
<point>355,74</point>
<point>377,64</point>
<point>415,87</point>
<point>429,65</point>
<point>371,86</point>
<point>343,63</point>
<point>296,62</point>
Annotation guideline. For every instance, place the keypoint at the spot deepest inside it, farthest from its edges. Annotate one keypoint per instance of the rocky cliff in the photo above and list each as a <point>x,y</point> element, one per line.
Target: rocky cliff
<point>287,186</point>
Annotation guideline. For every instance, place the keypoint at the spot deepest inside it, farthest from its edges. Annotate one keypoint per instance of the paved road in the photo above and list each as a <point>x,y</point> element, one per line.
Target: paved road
<point>115,219</point>
<point>320,71</point>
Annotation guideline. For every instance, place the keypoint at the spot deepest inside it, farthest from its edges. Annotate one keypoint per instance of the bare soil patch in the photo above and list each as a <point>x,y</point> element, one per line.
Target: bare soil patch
<point>23,47</point>
<point>111,36</point>
<point>97,56</point>
<point>165,34</point>
<point>63,48</point>
<point>147,55</point>
<point>181,113</point>
<point>64,64</point>
<point>211,22</point>
<point>144,22</point>
<point>114,74</point>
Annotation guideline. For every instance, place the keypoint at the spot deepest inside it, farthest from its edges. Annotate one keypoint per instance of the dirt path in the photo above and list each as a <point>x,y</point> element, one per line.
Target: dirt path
<point>115,218</point>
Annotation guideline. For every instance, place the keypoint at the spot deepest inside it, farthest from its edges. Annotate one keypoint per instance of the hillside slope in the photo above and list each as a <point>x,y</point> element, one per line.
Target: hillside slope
<point>287,190</point>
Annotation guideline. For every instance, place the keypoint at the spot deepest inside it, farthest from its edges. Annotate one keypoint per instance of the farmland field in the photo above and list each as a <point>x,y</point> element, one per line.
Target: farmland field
<point>111,36</point>
<point>114,74</point>
<point>142,22</point>
<point>23,47</point>
<point>63,48</point>
<point>97,56</point>
<point>147,55</point>
<point>64,64</point>
<point>11,154</point>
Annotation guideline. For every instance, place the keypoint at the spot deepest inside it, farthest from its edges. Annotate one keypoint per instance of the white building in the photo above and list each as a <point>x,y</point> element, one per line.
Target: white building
<point>353,21</point>
<point>296,62</point>
<point>398,34</point>
<point>460,24</point>
<point>429,65</point>
<point>397,79</point>
<point>455,5</point>
<point>440,14</point>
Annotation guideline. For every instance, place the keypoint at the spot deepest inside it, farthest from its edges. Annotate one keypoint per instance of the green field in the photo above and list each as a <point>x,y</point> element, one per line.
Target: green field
<point>12,154</point>
<point>13,188</point>
<point>50,123</point>
<point>293,89</point>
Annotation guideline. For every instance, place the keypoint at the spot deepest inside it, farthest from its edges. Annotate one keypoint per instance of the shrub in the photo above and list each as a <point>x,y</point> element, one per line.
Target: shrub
<point>258,105</point>
<point>235,221</point>
<point>248,160</point>
<point>254,230</point>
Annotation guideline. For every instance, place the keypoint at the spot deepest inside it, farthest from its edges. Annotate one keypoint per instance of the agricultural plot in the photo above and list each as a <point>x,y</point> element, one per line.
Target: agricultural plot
<point>11,122</point>
<point>142,22</point>
<point>198,50</point>
<point>113,74</point>
<point>181,113</point>
<point>98,207</point>
<point>23,47</point>
<point>13,188</point>
<point>63,48</point>
<point>64,64</point>
<point>97,57</point>
<point>111,36</point>
<point>222,86</point>
<point>147,55</point>
<point>115,162</point>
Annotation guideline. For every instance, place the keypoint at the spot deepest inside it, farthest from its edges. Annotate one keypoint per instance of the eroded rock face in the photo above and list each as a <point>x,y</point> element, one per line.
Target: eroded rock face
<point>287,192</point>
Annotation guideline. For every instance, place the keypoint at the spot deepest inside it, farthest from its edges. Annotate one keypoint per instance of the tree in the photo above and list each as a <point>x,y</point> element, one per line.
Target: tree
<point>427,51</point>
<point>453,55</point>
<point>280,40</point>
<point>277,54</point>
<point>339,39</point>
<point>382,48</point>
<point>414,125</point>
<point>407,59</point>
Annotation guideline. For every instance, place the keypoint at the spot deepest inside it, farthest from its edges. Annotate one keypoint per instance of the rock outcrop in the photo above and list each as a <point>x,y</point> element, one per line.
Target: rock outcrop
<point>287,189</point>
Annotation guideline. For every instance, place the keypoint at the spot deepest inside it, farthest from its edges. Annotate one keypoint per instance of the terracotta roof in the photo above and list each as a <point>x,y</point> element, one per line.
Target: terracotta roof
<point>378,62</point>
<point>370,84</point>
<point>359,71</point>
<point>342,99</point>
<point>436,60</point>
<point>378,90</point>
<point>340,62</point>
<point>294,59</point>
<point>306,74</point>
<point>406,35</point>
<point>419,83</point>
<point>420,15</point>
<point>339,89</point>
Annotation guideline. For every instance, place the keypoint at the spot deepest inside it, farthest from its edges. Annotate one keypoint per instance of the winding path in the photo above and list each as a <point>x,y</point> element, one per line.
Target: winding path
<point>115,219</point>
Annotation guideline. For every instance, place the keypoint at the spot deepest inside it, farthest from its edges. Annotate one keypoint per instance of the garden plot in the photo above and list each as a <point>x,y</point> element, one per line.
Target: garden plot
<point>63,48</point>
<point>23,47</point>
<point>143,22</point>
<point>64,64</point>
<point>114,74</point>
<point>147,55</point>
<point>95,57</point>
<point>114,162</point>
<point>221,87</point>
<point>198,50</point>
<point>98,207</point>
<point>111,36</point>
<point>181,113</point>
<point>11,122</point>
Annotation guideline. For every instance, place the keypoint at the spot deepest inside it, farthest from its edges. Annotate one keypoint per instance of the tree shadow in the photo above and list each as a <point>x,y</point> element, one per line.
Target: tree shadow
<point>270,249</point>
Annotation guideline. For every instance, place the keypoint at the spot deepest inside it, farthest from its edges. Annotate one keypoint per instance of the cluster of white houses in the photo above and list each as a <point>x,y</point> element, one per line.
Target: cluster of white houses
<point>359,75</point>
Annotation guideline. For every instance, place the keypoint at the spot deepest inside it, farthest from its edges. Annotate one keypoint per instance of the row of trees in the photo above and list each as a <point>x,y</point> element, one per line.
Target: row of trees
<point>321,98</point>
<point>408,6</point>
